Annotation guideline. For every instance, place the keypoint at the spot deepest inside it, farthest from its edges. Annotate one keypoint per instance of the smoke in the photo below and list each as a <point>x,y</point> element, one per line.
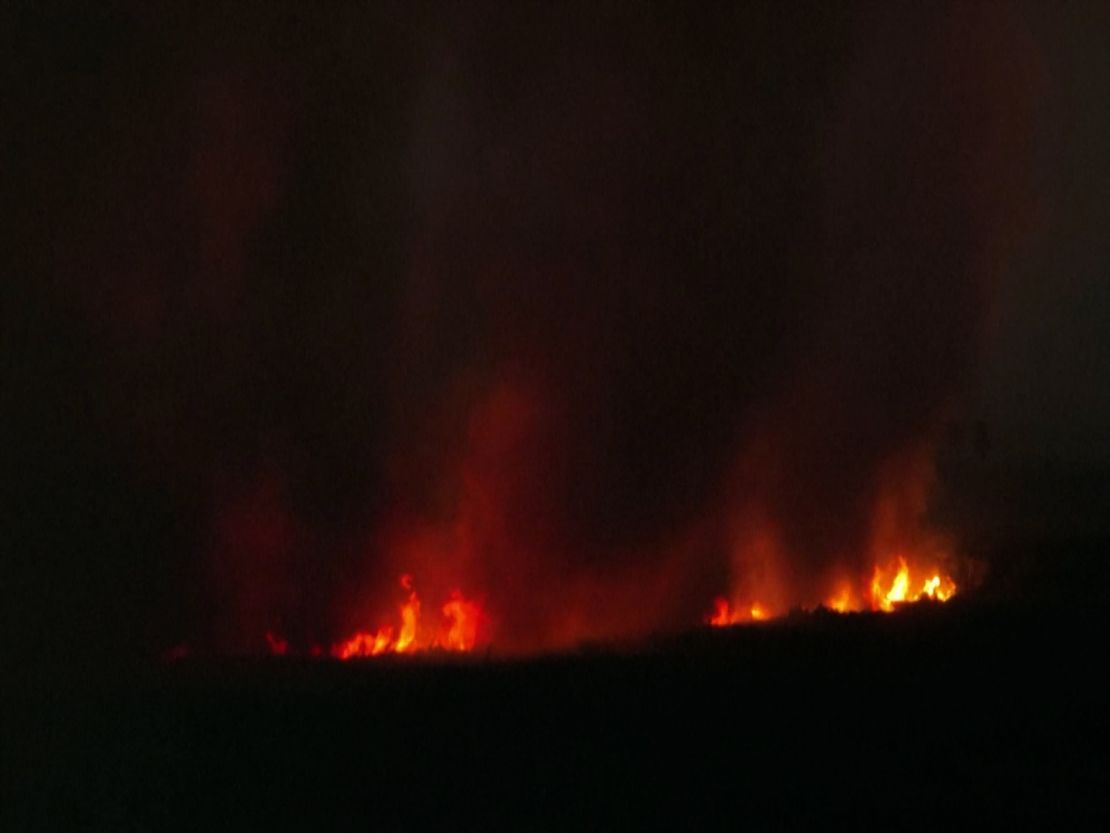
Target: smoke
<point>715,286</point>
<point>592,314</point>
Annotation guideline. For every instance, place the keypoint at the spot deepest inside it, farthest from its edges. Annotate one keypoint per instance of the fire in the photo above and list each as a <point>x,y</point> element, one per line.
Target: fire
<point>885,597</point>
<point>897,592</point>
<point>940,589</point>
<point>410,613</point>
<point>458,629</point>
<point>724,614</point>
<point>464,617</point>
<point>721,615</point>
<point>460,622</point>
<point>843,601</point>
<point>364,644</point>
<point>887,590</point>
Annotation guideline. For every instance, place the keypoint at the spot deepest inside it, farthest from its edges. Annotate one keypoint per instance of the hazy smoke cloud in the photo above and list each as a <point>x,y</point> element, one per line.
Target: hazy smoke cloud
<point>551,304</point>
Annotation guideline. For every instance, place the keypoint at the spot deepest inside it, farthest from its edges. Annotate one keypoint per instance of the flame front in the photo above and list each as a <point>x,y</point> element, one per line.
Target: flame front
<point>458,629</point>
<point>888,589</point>
<point>843,601</point>
<point>886,597</point>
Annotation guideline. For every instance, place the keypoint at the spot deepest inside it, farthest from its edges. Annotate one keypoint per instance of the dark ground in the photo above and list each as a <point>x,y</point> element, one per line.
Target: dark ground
<point>940,717</point>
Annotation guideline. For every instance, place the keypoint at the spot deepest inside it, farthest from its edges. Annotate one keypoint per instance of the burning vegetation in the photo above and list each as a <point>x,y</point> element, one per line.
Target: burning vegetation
<point>457,629</point>
<point>579,330</point>
<point>887,590</point>
<point>462,624</point>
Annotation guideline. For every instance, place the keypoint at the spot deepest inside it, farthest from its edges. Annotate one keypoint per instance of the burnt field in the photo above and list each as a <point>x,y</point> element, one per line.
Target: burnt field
<point>934,717</point>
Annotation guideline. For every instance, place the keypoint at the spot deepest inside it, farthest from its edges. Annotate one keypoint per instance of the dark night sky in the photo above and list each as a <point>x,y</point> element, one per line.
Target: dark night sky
<point>1047,356</point>
<point>279,282</point>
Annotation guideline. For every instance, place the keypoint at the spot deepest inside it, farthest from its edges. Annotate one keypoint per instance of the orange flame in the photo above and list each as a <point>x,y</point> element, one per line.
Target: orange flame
<point>724,614</point>
<point>464,617</point>
<point>885,593</point>
<point>936,587</point>
<point>843,601</point>
<point>365,644</point>
<point>458,630</point>
<point>410,613</point>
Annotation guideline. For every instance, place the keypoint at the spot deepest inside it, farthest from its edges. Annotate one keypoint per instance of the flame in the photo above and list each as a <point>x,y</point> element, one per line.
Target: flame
<point>888,590</point>
<point>459,629</point>
<point>906,568</point>
<point>365,644</point>
<point>937,587</point>
<point>464,617</point>
<point>725,614</point>
<point>720,616</point>
<point>897,592</point>
<point>410,613</point>
<point>843,601</point>
<point>461,618</point>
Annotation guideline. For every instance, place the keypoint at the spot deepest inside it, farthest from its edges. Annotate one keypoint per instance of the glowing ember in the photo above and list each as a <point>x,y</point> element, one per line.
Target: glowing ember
<point>278,646</point>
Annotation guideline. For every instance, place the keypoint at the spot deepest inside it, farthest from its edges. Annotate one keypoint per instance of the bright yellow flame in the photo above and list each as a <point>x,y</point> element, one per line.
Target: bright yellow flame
<point>940,589</point>
<point>901,584</point>
<point>410,612</point>
<point>937,587</point>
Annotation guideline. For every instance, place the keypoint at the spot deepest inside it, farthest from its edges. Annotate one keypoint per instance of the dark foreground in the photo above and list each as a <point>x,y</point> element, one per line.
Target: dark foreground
<point>935,718</point>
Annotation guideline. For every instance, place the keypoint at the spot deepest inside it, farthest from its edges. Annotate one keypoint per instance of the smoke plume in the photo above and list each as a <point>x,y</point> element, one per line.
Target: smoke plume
<point>594,313</point>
